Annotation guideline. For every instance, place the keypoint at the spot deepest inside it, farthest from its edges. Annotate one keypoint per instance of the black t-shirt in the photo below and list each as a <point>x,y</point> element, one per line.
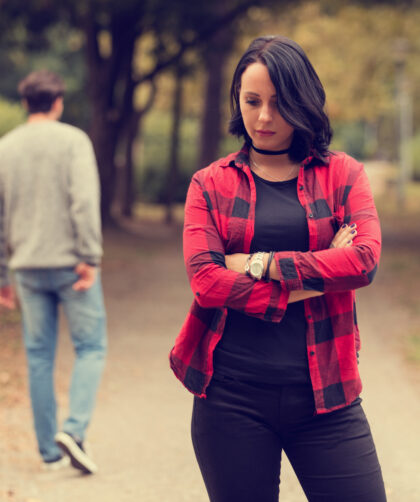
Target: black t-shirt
<point>252,349</point>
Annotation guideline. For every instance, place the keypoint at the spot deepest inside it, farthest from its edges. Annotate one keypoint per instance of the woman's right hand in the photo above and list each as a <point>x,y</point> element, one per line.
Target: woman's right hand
<point>344,237</point>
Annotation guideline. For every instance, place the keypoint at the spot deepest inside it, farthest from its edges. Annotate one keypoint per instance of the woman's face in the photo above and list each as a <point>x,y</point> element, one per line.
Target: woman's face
<point>258,103</point>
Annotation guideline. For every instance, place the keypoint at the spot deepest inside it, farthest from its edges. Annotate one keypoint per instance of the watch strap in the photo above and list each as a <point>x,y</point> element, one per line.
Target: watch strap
<point>248,261</point>
<point>267,270</point>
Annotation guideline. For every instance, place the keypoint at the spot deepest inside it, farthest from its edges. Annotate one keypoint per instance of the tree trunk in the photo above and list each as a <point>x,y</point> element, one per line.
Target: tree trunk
<point>104,140</point>
<point>128,182</point>
<point>111,88</point>
<point>133,132</point>
<point>173,171</point>
<point>112,80</point>
<point>215,59</point>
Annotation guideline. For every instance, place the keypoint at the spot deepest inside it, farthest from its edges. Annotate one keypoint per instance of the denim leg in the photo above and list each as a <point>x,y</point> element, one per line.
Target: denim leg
<point>85,313</point>
<point>39,319</point>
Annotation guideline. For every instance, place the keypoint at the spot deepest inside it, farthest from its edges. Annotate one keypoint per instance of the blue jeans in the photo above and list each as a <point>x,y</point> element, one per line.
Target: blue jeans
<point>40,291</point>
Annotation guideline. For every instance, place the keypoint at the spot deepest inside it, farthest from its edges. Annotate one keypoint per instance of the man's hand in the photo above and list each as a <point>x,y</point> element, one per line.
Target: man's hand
<point>8,297</point>
<point>87,274</point>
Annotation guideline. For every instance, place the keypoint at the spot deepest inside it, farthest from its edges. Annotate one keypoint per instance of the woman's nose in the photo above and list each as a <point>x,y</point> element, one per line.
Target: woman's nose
<point>265,113</point>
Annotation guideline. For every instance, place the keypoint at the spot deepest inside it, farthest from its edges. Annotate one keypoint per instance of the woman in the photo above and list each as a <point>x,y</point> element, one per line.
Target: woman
<point>273,257</point>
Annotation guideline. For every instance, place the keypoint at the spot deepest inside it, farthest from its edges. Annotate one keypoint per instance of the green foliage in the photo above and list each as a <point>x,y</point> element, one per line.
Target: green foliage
<point>48,43</point>
<point>153,167</point>
<point>414,145</point>
<point>350,137</point>
<point>354,48</point>
<point>11,115</point>
<point>351,44</point>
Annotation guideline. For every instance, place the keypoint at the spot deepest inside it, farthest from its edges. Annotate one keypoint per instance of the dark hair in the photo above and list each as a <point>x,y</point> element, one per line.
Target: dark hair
<point>40,89</point>
<point>300,95</point>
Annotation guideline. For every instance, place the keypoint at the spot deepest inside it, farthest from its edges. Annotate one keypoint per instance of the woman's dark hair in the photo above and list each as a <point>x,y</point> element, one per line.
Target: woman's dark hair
<point>40,89</point>
<point>300,95</point>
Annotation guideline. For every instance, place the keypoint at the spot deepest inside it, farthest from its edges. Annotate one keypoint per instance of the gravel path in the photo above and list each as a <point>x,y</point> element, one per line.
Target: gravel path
<point>140,432</point>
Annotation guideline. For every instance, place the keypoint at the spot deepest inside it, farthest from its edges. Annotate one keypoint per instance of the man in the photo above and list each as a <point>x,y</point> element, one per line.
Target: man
<point>50,237</point>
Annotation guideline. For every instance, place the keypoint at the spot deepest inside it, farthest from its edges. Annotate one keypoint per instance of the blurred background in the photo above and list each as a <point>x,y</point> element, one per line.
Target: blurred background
<point>149,81</point>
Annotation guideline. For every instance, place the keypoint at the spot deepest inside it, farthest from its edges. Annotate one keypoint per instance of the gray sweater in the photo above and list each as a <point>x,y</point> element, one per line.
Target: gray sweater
<point>49,198</point>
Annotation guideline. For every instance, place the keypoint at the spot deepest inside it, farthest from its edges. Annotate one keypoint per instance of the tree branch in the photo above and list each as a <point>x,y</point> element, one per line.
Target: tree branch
<point>197,40</point>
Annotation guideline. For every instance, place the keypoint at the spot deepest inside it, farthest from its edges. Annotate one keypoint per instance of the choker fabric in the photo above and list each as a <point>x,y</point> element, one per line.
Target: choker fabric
<point>270,152</point>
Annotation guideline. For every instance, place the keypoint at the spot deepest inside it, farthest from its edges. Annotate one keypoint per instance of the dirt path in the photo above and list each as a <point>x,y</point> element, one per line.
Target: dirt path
<point>140,432</point>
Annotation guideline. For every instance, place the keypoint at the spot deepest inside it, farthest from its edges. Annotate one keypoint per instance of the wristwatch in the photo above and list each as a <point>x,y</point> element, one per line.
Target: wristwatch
<point>255,265</point>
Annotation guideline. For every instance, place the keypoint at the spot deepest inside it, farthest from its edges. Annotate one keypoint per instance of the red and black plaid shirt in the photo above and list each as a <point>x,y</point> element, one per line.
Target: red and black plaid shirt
<point>219,220</point>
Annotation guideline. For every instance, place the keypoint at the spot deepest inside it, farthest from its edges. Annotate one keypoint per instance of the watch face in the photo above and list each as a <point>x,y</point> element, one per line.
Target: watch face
<point>256,268</point>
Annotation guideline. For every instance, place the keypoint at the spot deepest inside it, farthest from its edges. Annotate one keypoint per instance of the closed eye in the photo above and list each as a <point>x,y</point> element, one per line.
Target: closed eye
<point>252,102</point>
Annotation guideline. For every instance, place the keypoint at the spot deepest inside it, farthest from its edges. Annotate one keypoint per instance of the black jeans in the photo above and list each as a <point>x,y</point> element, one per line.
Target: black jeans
<point>240,430</point>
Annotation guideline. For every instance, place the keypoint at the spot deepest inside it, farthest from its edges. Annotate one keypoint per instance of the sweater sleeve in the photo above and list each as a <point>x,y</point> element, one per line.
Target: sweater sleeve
<point>339,269</point>
<point>213,285</point>
<point>85,201</point>
<point>4,270</point>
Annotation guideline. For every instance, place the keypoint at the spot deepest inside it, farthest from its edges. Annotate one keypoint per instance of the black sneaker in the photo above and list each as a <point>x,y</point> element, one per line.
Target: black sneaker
<point>75,450</point>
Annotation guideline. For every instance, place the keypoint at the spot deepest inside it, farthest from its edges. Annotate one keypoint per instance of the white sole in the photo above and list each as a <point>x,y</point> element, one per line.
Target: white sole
<point>56,466</point>
<point>78,457</point>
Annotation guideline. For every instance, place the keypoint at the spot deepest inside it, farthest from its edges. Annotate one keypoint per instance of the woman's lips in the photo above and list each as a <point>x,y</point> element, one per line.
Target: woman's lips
<point>265,133</point>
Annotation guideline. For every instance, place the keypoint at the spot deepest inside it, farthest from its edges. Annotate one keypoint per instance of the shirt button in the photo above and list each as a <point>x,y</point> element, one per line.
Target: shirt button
<point>311,353</point>
<point>300,187</point>
<point>309,317</point>
<point>311,215</point>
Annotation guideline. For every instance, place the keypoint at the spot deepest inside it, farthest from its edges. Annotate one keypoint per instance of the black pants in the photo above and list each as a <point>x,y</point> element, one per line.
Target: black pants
<point>240,430</point>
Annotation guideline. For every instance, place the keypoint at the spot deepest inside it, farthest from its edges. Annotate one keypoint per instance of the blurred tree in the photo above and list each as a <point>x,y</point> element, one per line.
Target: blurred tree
<point>113,32</point>
<point>173,164</point>
<point>129,44</point>
<point>31,38</point>
<point>11,115</point>
<point>352,47</point>
<point>215,57</point>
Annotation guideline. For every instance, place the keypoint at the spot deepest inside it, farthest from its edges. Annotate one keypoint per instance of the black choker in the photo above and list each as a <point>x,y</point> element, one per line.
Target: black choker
<point>270,152</point>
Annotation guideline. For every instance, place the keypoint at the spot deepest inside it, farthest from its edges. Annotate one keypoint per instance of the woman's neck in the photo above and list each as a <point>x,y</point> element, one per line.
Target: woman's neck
<point>273,167</point>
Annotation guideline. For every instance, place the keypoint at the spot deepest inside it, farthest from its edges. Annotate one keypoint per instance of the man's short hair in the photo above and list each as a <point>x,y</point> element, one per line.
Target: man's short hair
<point>40,89</point>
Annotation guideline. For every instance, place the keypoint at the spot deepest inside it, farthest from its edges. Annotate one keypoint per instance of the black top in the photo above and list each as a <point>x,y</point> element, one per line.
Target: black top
<point>252,349</point>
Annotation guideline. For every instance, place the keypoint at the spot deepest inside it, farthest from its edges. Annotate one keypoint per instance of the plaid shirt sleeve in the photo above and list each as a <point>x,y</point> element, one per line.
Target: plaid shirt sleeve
<point>213,285</point>
<point>343,269</point>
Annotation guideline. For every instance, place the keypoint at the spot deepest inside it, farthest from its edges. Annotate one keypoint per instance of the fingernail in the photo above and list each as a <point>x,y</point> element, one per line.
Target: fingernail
<point>349,242</point>
<point>352,225</point>
<point>344,226</point>
<point>353,232</point>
